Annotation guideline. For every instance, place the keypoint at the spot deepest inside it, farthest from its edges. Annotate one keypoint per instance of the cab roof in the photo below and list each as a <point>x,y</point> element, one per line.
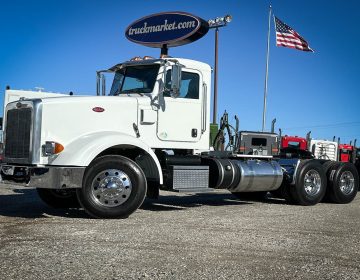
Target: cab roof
<point>188,63</point>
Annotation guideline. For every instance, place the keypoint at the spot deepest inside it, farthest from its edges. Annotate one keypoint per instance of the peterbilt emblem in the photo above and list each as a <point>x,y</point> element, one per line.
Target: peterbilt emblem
<point>98,109</point>
<point>18,105</point>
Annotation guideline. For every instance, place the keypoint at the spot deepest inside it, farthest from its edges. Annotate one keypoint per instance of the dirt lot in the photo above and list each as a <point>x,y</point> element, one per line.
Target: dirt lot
<point>207,236</point>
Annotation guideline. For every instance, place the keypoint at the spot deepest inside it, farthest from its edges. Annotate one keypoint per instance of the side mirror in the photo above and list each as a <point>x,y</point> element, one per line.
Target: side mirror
<point>175,80</point>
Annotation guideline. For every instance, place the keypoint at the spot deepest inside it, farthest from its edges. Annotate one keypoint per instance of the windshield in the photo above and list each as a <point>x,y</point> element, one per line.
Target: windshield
<point>135,79</point>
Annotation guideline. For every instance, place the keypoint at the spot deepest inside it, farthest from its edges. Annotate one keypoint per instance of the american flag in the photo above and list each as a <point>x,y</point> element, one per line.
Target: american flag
<point>288,37</point>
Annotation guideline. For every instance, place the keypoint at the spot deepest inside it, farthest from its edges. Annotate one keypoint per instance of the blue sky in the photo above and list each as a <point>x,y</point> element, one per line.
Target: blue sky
<point>58,45</point>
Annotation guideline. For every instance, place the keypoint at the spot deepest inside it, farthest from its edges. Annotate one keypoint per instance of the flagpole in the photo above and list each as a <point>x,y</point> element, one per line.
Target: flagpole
<point>266,72</point>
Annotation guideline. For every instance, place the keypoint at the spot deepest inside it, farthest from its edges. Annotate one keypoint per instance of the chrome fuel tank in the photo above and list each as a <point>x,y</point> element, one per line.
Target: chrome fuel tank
<point>257,175</point>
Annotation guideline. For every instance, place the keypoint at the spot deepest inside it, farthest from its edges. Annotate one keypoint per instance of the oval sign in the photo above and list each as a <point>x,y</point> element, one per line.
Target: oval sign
<point>169,28</point>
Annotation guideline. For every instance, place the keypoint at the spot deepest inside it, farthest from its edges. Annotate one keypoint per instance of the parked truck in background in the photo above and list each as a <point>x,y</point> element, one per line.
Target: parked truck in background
<point>321,149</point>
<point>295,142</point>
<point>347,152</point>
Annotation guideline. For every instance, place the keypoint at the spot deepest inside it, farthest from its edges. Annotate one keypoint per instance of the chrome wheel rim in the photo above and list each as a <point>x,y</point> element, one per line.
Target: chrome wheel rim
<point>111,188</point>
<point>347,183</point>
<point>312,182</point>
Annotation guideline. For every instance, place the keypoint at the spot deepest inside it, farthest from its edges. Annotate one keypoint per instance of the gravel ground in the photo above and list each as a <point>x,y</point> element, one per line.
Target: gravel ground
<point>179,236</point>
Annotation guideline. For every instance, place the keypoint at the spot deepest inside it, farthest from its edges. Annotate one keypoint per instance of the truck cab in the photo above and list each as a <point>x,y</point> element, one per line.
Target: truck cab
<point>140,107</point>
<point>258,143</point>
<point>161,105</point>
<point>324,149</point>
<point>346,152</point>
<point>153,105</point>
<point>294,142</point>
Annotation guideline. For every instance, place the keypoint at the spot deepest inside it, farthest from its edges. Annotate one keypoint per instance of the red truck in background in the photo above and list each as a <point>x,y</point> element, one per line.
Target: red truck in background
<point>293,142</point>
<point>345,152</point>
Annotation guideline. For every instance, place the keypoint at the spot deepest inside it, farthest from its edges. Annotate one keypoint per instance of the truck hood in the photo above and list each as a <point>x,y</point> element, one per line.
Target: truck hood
<point>66,119</point>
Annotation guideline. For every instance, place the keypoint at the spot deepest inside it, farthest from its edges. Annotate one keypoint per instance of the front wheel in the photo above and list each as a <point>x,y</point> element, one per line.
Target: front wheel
<point>113,187</point>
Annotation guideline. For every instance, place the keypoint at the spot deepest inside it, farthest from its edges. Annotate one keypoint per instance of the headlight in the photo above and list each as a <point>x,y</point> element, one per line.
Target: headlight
<point>52,148</point>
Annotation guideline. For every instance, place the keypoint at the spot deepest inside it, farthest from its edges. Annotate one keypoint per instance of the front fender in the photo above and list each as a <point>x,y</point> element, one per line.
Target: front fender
<point>83,150</point>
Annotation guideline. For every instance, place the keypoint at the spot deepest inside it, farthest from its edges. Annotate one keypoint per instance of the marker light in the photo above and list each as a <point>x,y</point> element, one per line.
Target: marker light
<point>136,58</point>
<point>147,57</point>
<point>165,56</point>
<point>52,148</point>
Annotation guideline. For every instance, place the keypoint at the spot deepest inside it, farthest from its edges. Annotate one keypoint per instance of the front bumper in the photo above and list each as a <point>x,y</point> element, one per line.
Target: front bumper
<point>49,177</point>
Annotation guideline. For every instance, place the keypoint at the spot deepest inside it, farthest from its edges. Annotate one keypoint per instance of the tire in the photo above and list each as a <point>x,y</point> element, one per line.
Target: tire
<point>343,183</point>
<point>310,183</point>
<point>328,166</point>
<point>113,187</point>
<point>59,198</point>
<point>255,196</point>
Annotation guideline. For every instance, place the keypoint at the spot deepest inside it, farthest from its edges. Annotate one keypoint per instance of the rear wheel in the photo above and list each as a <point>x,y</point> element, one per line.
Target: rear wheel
<point>59,198</point>
<point>343,183</point>
<point>310,183</point>
<point>113,187</point>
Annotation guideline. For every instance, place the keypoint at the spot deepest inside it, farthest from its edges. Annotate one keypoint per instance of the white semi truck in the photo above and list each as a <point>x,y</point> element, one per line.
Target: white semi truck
<point>151,132</point>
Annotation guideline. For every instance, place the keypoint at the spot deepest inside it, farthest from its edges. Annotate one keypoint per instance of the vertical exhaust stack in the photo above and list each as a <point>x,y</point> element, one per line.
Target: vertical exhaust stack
<point>273,125</point>
<point>98,82</point>
<point>308,139</point>
<point>353,156</point>
<point>280,141</point>
<point>103,85</point>
<point>236,142</point>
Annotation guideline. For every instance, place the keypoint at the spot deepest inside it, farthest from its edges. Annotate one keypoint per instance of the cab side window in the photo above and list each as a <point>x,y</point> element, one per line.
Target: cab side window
<point>189,85</point>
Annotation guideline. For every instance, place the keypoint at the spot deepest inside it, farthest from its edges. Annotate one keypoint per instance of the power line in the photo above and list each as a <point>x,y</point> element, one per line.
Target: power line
<point>325,125</point>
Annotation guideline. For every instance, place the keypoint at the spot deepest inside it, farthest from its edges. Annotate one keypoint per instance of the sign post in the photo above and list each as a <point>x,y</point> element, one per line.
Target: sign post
<point>217,23</point>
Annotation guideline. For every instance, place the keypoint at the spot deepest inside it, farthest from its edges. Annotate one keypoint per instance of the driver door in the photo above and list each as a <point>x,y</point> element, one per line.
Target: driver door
<point>180,118</point>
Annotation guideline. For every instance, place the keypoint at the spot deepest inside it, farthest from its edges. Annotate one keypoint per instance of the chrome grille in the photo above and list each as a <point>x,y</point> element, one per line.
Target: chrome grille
<point>18,133</point>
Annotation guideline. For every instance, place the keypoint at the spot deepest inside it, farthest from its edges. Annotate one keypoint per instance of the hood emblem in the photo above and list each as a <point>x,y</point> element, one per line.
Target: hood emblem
<point>98,109</point>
